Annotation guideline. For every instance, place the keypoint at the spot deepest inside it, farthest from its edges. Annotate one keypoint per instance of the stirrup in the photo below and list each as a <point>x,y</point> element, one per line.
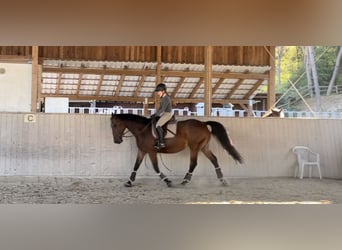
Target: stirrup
<point>160,146</point>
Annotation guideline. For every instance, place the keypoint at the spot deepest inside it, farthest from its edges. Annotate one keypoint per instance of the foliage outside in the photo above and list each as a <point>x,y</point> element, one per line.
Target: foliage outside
<point>291,67</point>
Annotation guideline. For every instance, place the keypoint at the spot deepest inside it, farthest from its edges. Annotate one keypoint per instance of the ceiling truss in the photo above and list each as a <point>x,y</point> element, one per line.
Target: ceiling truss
<point>186,84</point>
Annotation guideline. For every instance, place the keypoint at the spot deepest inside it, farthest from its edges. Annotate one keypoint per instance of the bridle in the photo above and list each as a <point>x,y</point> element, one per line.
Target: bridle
<point>141,131</point>
<point>125,132</point>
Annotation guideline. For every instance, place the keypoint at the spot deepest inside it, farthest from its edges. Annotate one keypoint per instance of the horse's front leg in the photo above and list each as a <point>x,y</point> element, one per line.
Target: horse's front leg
<point>192,166</point>
<point>140,157</point>
<point>154,160</point>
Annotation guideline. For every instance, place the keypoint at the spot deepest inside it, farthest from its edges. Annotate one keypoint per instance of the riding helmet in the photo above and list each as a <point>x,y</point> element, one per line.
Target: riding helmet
<point>160,87</point>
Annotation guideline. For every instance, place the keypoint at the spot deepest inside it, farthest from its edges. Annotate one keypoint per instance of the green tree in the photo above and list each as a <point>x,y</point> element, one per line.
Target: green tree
<point>293,67</point>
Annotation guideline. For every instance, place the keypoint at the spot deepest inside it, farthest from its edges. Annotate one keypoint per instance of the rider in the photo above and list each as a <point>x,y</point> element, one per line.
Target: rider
<point>164,112</point>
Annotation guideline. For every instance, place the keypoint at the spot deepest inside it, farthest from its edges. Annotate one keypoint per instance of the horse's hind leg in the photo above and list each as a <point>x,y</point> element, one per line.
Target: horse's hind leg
<point>138,161</point>
<point>154,160</point>
<point>207,152</point>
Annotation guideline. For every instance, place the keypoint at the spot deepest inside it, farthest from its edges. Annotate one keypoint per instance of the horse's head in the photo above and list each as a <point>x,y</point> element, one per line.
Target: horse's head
<point>118,128</point>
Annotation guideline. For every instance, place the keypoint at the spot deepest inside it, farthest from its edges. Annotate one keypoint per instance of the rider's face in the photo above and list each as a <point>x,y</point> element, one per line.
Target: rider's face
<point>160,93</point>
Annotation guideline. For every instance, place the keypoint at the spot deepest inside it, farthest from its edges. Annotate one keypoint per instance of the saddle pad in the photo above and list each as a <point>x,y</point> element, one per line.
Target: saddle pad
<point>170,127</point>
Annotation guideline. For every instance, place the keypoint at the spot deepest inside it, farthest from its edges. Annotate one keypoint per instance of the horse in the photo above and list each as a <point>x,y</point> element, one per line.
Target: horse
<point>190,133</point>
<point>274,112</point>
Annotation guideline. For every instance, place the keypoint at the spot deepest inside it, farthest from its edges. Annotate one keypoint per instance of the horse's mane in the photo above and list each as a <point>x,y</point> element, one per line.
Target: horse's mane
<point>133,117</point>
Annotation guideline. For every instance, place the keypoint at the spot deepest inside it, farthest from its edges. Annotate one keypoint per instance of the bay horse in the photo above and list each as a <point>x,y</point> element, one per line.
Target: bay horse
<point>190,133</point>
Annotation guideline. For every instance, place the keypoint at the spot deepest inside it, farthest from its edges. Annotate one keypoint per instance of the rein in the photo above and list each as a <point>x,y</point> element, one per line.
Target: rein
<point>126,131</point>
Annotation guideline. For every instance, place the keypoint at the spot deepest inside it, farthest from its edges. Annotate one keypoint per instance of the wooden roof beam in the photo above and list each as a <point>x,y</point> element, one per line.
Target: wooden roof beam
<point>106,71</point>
<point>15,59</point>
<point>118,88</point>
<point>220,101</point>
<point>228,75</point>
<point>252,90</point>
<point>141,81</point>
<point>175,91</point>
<point>99,85</point>
<point>149,72</point>
<point>218,84</point>
<point>198,85</point>
<point>79,84</point>
<point>59,82</point>
<point>236,86</point>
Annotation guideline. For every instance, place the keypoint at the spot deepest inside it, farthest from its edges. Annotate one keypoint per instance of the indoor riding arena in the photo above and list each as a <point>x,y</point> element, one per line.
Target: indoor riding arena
<point>57,146</point>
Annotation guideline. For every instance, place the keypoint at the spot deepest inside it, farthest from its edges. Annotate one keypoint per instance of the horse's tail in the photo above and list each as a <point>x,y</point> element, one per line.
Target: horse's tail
<point>222,136</point>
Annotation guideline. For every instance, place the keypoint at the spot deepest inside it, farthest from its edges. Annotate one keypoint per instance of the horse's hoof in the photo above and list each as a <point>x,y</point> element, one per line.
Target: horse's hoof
<point>224,182</point>
<point>168,183</point>
<point>184,182</point>
<point>128,184</point>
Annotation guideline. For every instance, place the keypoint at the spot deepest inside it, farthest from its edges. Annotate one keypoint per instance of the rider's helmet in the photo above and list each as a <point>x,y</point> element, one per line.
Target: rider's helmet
<point>161,87</point>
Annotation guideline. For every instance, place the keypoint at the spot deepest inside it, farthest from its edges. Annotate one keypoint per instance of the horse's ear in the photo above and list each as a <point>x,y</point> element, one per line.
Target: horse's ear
<point>113,115</point>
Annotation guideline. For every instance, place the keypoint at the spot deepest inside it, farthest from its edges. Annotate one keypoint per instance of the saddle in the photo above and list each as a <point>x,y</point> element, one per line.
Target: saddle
<point>169,128</point>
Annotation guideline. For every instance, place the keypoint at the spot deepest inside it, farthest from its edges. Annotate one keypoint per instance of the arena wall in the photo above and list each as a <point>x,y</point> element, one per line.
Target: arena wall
<point>82,145</point>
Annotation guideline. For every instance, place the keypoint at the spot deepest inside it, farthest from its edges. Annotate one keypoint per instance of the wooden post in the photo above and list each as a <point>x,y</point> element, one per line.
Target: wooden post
<point>158,76</point>
<point>35,77</point>
<point>39,89</point>
<point>208,80</point>
<point>271,93</point>
<point>159,61</point>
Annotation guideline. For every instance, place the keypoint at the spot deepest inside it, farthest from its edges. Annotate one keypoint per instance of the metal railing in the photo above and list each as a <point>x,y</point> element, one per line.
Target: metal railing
<point>306,92</point>
<point>216,112</point>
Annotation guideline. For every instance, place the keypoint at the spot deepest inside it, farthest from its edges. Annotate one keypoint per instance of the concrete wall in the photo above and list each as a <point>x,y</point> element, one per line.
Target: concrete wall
<point>15,87</point>
<point>82,145</point>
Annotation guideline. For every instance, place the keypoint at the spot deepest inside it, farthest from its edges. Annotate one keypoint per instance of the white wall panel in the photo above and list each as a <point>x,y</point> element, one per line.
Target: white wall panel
<point>15,87</point>
<point>82,145</point>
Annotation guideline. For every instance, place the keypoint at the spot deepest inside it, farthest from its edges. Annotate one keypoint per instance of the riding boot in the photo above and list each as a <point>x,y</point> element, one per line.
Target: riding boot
<point>161,143</point>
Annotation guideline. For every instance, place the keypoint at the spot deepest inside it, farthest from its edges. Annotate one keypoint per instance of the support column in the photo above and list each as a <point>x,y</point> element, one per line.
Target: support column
<point>35,77</point>
<point>208,60</point>
<point>271,92</point>
<point>158,76</point>
<point>39,88</point>
<point>159,61</point>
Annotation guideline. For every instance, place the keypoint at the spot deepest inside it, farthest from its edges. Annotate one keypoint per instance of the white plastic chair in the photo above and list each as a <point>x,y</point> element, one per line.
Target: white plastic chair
<point>306,157</point>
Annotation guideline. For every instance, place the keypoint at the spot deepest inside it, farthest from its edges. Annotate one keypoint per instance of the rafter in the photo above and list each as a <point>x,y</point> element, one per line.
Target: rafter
<point>236,86</point>
<point>15,59</point>
<point>139,90</point>
<point>99,85</point>
<point>118,88</point>
<point>198,85</point>
<point>253,89</point>
<point>79,84</point>
<point>141,81</point>
<point>179,85</point>
<point>59,81</point>
<point>218,84</point>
